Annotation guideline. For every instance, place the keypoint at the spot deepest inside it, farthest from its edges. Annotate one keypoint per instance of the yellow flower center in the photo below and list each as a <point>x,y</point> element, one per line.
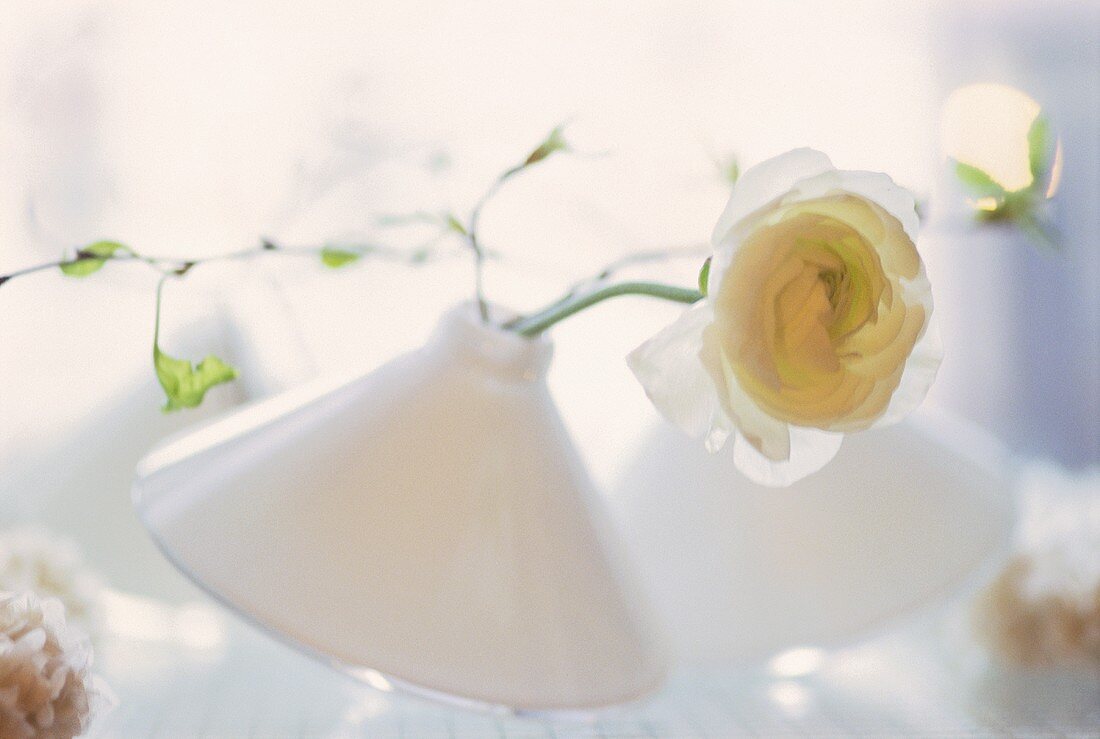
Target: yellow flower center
<point>807,319</point>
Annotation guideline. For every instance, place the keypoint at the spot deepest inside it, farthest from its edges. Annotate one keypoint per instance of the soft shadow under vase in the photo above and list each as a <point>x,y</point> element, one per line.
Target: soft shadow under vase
<point>430,522</point>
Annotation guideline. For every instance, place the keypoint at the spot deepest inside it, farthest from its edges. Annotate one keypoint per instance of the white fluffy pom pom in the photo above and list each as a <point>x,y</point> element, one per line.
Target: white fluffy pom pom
<point>46,690</point>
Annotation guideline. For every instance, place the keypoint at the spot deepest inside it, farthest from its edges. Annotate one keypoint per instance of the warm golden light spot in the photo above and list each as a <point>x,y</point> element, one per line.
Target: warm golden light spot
<point>987,204</point>
<point>985,125</point>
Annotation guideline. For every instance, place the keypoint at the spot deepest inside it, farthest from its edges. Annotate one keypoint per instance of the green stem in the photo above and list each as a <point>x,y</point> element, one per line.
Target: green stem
<point>472,238</point>
<point>536,323</point>
<point>178,266</point>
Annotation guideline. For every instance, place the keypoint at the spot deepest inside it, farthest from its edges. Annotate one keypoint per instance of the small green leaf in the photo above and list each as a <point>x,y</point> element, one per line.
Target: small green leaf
<point>978,181</point>
<point>704,277</point>
<point>1017,204</point>
<point>106,249</point>
<point>81,267</point>
<point>729,169</point>
<point>1042,233</point>
<point>92,257</point>
<point>554,141</point>
<point>454,224</point>
<point>336,258</point>
<point>1038,150</point>
<point>439,161</point>
<point>184,386</point>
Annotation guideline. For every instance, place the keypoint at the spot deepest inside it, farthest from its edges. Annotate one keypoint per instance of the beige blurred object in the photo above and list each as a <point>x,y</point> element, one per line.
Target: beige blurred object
<point>1027,623</point>
<point>46,689</point>
<point>33,559</point>
<point>1043,609</point>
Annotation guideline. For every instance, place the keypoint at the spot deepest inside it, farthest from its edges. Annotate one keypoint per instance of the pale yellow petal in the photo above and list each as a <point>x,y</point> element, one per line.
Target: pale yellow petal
<point>768,435</point>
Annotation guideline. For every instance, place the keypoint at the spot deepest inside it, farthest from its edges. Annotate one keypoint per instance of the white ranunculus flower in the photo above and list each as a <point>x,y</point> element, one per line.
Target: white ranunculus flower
<point>816,323</point>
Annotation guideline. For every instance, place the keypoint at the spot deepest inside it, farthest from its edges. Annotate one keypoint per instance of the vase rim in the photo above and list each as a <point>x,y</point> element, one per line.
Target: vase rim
<point>510,355</point>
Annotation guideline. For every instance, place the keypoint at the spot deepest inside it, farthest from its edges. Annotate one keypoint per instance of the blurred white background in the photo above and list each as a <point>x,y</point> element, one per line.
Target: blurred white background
<point>195,129</point>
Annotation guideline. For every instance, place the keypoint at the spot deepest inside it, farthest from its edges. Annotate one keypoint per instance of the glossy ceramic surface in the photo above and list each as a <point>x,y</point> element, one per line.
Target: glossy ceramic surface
<point>430,524</point>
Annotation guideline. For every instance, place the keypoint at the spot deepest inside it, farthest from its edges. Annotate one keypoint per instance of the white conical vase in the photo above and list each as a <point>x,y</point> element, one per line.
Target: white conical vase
<point>430,523</point>
<point>902,518</point>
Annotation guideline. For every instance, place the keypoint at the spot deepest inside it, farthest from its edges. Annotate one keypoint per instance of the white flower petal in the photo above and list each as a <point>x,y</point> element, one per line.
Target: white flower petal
<point>874,186</point>
<point>720,430</point>
<point>811,449</point>
<point>768,181</point>
<point>920,371</point>
<point>769,436</point>
<point>692,370</point>
<point>669,370</point>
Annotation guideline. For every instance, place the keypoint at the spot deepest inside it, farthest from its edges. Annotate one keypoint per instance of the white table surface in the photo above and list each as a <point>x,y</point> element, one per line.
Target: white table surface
<point>200,672</point>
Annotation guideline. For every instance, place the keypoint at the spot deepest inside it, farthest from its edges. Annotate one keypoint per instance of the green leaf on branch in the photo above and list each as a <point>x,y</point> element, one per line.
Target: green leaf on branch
<point>82,267</point>
<point>1039,230</point>
<point>554,142</point>
<point>185,386</point>
<point>337,258</point>
<point>453,224</point>
<point>91,258</point>
<point>704,277</point>
<point>1038,150</point>
<point>978,181</point>
<point>729,169</point>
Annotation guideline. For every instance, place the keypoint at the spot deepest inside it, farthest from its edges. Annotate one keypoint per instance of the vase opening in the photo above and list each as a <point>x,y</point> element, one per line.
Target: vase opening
<point>505,354</point>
